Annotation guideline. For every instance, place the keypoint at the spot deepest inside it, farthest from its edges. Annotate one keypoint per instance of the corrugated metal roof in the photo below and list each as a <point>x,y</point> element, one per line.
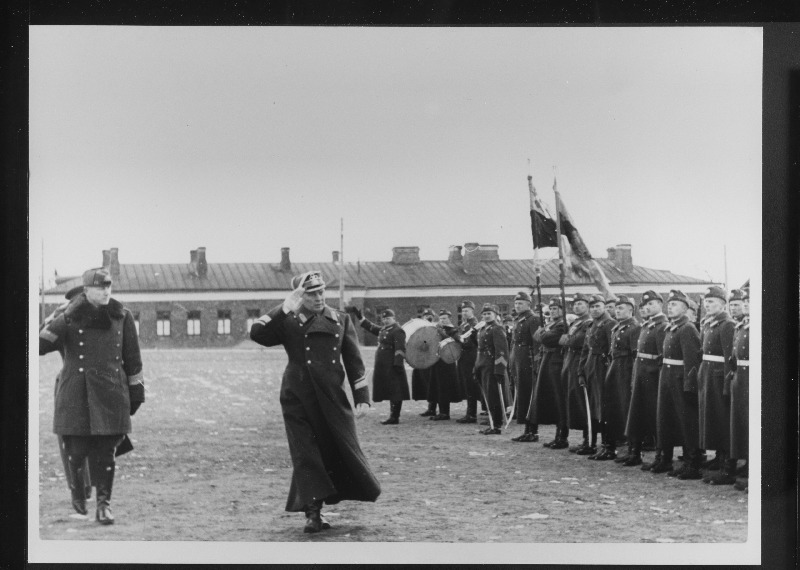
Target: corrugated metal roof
<point>152,277</point>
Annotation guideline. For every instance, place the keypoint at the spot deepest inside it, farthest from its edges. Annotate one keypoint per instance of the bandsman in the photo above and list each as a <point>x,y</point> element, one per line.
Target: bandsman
<point>595,357</point>
<point>523,347</point>
<point>389,380</point>
<point>713,400</point>
<point>420,379</point>
<point>641,424</point>
<point>677,415</point>
<point>491,367</point>
<point>548,397</point>
<point>443,386</point>
<point>465,366</point>
<point>740,385</point>
<point>617,391</point>
<point>577,396</point>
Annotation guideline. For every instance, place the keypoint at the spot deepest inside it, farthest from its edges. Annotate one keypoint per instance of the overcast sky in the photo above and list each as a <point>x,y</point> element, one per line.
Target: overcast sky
<point>245,140</point>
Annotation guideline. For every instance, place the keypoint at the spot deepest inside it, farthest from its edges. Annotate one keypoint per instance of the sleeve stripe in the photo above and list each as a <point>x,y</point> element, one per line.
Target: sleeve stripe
<point>501,360</point>
<point>264,319</point>
<point>48,336</point>
<point>136,379</point>
<point>400,352</point>
<point>361,383</point>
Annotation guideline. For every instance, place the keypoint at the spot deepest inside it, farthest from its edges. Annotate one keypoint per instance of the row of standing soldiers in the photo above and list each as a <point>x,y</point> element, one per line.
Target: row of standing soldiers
<point>661,382</point>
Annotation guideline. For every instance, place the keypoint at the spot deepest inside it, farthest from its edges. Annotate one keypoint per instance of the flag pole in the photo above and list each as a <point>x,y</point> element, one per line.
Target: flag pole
<point>41,310</point>
<point>560,249</point>
<point>341,264</point>
<point>537,270</point>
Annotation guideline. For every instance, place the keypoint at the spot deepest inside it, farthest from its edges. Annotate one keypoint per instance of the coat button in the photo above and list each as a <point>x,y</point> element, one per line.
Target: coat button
<point>333,362</point>
<point>80,343</point>
<point>117,345</point>
<point>116,369</point>
<point>80,369</point>
<point>309,362</point>
<point>308,348</point>
<point>116,358</point>
<point>80,331</point>
<point>81,357</point>
<point>337,335</point>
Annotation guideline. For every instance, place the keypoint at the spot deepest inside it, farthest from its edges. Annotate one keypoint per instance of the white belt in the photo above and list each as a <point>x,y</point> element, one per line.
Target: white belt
<point>742,363</point>
<point>648,356</point>
<point>673,362</point>
<point>713,358</point>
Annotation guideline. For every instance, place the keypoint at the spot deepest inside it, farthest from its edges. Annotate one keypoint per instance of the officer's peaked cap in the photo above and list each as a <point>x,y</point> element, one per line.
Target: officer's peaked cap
<point>678,295</point>
<point>310,281</point>
<point>580,297</point>
<point>97,277</point>
<point>625,300</point>
<point>489,307</point>
<point>522,296</point>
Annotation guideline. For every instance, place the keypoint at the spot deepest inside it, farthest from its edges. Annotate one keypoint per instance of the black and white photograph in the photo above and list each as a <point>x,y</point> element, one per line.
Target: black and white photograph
<point>454,294</point>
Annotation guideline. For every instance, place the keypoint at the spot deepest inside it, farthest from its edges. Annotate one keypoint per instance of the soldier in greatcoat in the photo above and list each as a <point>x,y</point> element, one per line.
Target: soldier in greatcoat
<point>321,343</point>
<point>491,367</point>
<point>443,388</point>
<point>421,378</point>
<point>573,341</point>
<point>641,423</point>
<point>677,416</point>
<point>713,399</point>
<point>593,365</point>
<point>740,386</point>
<point>548,397</point>
<point>617,390</point>
<point>389,380</point>
<point>523,347</point>
<point>100,386</point>
<point>465,365</point>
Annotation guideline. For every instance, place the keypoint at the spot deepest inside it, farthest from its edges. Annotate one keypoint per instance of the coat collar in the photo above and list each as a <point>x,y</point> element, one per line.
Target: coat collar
<point>720,317</point>
<point>677,323</point>
<point>622,324</point>
<point>523,315</point>
<point>80,308</point>
<point>656,320</point>
<point>585,318</point>
<point>304,315</point>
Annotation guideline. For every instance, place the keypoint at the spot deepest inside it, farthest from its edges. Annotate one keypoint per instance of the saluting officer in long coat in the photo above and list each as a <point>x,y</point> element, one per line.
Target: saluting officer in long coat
<point>389,380</point>
<point>421,378</point>
<point>573,341</point>
<point>740,384</point>
<point>523,347</point>
<point>491,367</point>
<point>443,388</point>
<point>641,422</point>
<point>617,391</point>
<point>677,416</point>
<point>465,365</point>
<point>100,386</point>
<point>548,397</point>
<point>322,347</point>
<point>595,357</point>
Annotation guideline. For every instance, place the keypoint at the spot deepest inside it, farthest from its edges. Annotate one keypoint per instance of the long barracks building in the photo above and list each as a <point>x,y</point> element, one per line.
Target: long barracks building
<point>201,304</point>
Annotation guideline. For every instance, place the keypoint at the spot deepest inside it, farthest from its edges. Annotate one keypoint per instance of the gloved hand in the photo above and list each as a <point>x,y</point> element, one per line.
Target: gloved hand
<point>293,301</point>
<point>134,407</point>
<point>357,312</point>
<point>361,410</point>
<point>136,393</point>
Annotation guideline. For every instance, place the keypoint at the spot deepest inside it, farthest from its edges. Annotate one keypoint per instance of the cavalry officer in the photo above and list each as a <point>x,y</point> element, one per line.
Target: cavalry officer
<point>572,341</point>
<point>617,391</point>
<point>491,367</point>
<point>100,386</point>
<point>389,380</point>
<point>523,347</point>
<point>641,424</point>
<point>548,397</point>
<point>321,343</point>
<point>420,379</point>
<point>465,365</point>
<point>740,384</point>
<point>713,398</point>
<point>443,386</point>
<point>593,365</point>
<point>677,416</point>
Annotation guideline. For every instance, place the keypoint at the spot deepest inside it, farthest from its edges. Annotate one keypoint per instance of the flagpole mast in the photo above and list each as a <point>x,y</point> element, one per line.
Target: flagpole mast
<point>41,309</point>
<point>560,250</point>
<point>341,264</point>
<point>725,259</point>
<point>537,270</point>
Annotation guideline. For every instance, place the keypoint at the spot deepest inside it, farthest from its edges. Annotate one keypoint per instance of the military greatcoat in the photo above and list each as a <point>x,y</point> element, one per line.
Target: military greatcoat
<point>644,391</point>
<point>491,367</point>
<point>102,369</point>
<point>523,348</point>
<point>443,385</point>
<point>548,396</point>
<point>468,338</point>
<point>740,390</point>
<point>595,357</point>
<point>389,380</point>
<point>677,417</point>
<point>714,404</point>
<point>320,426</point>
<point>576,397</point>
<point>617,391</point>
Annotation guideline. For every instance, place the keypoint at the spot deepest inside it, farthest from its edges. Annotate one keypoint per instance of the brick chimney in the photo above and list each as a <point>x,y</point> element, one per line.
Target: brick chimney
<point>202,266</point>
<point>111,261</point>
<point>407,255</point>
<point>106,258</point>
<point>455,253</point>
<point>489,252</point>
<point>472,258</point>
<point>336,257</point>
<point>286,265</point>
<point>621,257</point>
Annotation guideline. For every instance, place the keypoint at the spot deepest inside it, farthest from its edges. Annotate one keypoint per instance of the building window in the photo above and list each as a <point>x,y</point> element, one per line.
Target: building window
<point>136,321</point>
<point>252,315</point>
<point>223,322</point>
<point>193,323</point>
<point>162,323</point>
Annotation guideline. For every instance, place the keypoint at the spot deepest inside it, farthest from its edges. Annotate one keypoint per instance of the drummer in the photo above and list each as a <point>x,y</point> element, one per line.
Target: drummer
<point>443,385</point>
<point>420,378</point>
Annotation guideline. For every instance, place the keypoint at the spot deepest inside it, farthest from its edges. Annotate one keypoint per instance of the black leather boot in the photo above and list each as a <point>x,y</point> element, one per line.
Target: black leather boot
<point>664,464</point>
<point>77,488</point>
<point>394,414</point>
<point>313,517</point>
<point>692,470</point>
<point>647,466</point>
<point>431,411</point>
<point>527,435</point>
<point>625,456</point>
<point>104,481</point>
<point>471,416</point>
<point>634,457</point>
<point>727,475</point>
<point>561,441</point>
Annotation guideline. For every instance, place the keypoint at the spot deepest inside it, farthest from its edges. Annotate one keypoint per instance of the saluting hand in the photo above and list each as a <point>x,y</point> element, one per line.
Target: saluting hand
<point>361,410</point>
<point>293,301</point>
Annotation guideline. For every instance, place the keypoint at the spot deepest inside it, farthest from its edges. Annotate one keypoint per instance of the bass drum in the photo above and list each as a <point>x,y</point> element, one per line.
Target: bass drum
<point>422,343</point>
<point>449,351</point>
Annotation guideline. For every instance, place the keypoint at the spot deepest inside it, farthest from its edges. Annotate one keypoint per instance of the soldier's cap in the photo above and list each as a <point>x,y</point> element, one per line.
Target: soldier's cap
<point>625,300</point>
<point>737,295</point>
<point>73,292</point>
<point>97,277</point>
<point>465,304</point>
<point>649,296</point>
<point>555,302</point>
<point>387,313</point>
<point>678,295</point>
<point>522,296</point>
<point>445,312</point>
<point>693,304</point>
<point>594,299</point>
<point>488,307</point>
<point>580,297</point>
<point>715,292</point>
<point>428,312</point>
<point>310,281</point>
<point>611,300</point>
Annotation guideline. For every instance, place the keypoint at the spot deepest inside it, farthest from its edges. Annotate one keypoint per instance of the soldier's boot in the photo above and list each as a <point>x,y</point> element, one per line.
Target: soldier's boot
<point>712,464</point>
<point>600,451</point>
<point>394,414</point>
<point>431,411</point>
<point>585,443</point>
<point>104,481</point>
<point>471,416</point>
<point>77,485</point>
<point>664,464</point>
<point>649,465</point>
<point>741,484</point>
<point>743,470</point>
<point>635,456</point>
<point>561,442</point>
<point>692,470</point>
<point>726,475</point>
<point>444,412</point>
<point>610,452</point>
<point>525,437</point>
<point>625,456</point>
<point>314,521</point>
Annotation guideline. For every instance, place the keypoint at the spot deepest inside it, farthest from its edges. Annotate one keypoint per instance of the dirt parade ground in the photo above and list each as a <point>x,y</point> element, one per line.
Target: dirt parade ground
<point>211,463</point>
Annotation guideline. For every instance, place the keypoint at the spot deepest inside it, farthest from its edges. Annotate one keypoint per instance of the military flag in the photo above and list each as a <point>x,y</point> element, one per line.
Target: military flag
<point>543,226</point>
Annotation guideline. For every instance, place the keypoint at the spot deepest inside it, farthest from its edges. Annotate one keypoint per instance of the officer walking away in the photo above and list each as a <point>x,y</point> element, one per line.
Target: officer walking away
<point>465,365</point>
<point>389,380</point>
<point>740,384</point>
<point>321,343</point>
<point>523,348</point>
<point>641,423</point>
<point>491,365</point>
<point>677,416</point>
<point>572,342</point>
<point>420,379</point>
<point>100,386</point>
